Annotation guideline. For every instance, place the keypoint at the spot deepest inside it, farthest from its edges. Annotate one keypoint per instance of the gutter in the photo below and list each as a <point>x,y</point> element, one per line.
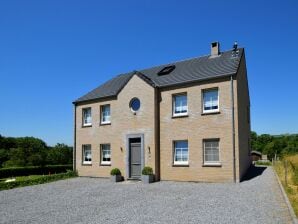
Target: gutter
<point>74,138</point>
<point>233,129</point>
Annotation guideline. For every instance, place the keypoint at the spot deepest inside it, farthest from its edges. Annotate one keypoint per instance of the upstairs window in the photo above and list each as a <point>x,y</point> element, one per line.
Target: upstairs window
<point>180,105</point>
<point>211,152</point>
<point>210,101</point>
<point>105,114</point>
<point>180,152</point>
<point>87,159</point>
<point>105,154</point>
<point>135,104</point>
<point>87,119</point>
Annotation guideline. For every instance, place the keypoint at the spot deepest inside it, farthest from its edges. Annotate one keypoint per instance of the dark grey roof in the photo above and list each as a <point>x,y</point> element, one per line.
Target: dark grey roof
<point>195,69</point>
<point>108,89</point>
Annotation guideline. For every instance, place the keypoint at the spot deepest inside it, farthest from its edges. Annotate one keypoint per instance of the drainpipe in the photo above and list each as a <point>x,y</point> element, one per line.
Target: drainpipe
<point>233,129</point>
<point>74,138</point>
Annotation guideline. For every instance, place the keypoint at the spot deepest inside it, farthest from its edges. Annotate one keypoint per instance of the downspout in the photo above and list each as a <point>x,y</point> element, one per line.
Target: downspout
<point>74,138</point>
<point>233,129</point>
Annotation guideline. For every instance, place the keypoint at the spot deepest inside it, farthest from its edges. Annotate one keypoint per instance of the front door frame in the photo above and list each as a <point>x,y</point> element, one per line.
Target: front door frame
<point>127,160</point>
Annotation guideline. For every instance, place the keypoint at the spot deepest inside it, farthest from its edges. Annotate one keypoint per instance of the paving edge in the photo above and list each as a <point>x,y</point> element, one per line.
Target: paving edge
<point>293,216</point>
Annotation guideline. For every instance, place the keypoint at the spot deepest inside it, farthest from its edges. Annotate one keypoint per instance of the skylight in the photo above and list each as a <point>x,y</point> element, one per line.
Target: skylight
<point>166,70</point>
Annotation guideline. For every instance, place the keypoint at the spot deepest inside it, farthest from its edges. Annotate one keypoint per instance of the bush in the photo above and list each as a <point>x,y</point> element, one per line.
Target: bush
<point>40,180</point>
<point>115,172</point>
<point>33,170</point>
<point>147,170</point>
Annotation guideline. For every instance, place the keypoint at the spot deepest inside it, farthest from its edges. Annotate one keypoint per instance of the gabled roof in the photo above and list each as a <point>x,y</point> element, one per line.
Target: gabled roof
<point>186,71</point>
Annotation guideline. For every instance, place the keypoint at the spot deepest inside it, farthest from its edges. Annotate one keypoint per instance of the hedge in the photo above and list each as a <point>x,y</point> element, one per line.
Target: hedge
<point>40,180</point>
<point>33,170</point>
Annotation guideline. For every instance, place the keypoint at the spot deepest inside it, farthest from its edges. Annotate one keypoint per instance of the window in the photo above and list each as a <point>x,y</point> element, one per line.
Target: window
<point>105,154</point>
<point>180,152</point>
<point>180,105</point>
<point>105,114</point>
<point>87,119</point>
<point>166,70</point>
<point>211,152</point>
<point>135,104</point>
<point>87,159</point>
<point>210,101</point>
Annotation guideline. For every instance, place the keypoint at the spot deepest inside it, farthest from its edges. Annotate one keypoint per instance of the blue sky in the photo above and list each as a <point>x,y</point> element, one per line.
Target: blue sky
<point>52,52</point>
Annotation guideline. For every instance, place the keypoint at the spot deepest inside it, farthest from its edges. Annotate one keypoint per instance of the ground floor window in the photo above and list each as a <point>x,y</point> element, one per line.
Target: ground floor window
<point>181,152</point>
<point>211,152</point>
<point>105,154</point>
<point>87,159</point>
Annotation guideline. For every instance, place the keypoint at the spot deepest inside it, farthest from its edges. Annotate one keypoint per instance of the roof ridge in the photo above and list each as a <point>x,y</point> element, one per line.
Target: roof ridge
<point>187,59</point>
<point>187,70</point>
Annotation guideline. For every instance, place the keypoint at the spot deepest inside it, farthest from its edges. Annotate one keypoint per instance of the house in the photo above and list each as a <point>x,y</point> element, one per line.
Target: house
<point>188,120</point>
<point>256,155</point>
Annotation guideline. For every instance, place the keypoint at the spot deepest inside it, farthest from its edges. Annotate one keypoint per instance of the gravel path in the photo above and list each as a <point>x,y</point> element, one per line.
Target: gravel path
<point>95,200</point>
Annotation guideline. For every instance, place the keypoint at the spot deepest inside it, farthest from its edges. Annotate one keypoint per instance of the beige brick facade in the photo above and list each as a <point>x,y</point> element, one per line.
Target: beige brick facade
<point>154,120</point>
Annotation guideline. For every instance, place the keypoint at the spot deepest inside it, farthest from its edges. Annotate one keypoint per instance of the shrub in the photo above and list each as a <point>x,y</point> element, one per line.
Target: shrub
<point>33,170</point>
<point>147,170</point>
<point>39,180</point>
<point>115,172</point>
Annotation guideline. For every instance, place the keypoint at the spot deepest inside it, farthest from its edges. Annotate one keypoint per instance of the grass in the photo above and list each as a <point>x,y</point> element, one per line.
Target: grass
<point>292,178</point>
<point>35,179</point>
<point>263,163</point>
<point>23,178</point>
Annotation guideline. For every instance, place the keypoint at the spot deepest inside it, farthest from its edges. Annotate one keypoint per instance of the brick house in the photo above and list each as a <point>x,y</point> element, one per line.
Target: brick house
<point>188,120</point>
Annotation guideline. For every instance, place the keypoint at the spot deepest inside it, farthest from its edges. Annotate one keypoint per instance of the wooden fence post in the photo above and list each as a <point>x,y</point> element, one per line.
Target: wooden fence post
<point>286,172</point>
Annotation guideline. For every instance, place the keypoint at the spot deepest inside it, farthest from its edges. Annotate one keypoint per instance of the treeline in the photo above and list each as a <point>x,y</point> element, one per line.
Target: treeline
<point>30,151</point>
<point>274,144</point>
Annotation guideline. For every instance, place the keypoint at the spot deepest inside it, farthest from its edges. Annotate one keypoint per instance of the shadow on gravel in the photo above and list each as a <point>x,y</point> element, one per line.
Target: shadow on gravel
<point>253,172</point>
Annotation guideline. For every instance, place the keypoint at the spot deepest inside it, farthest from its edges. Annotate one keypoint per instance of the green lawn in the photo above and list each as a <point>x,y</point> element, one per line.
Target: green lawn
<point>22,178</point>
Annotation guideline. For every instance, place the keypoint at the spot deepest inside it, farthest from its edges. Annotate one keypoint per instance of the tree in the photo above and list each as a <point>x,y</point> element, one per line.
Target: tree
<point>4,156</point>
<point>60,154</point>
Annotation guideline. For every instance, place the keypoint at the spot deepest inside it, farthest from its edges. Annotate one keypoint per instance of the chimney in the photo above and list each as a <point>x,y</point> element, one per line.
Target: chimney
<point>215,51</point>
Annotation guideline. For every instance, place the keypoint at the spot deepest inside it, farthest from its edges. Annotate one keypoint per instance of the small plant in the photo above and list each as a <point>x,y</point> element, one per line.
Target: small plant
<point>147,170</point>
<point>115,172</point>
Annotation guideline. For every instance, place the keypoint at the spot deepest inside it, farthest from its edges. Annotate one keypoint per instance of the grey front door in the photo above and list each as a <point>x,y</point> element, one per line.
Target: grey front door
<point>135,158</point>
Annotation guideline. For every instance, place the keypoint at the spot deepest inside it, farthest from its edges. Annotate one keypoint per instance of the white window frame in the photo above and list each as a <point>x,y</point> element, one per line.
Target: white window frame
<point>203,101</point>
<point>174,105</point>
<point>101,155</point>
<point>84,147</point>
<point>102,115</point>
<point>174,156</point>
<point>85,123</point>
<point>211,163</point>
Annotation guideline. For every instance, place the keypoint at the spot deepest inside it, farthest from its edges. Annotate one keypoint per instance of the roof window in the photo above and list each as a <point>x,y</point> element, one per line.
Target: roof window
<point>166,70</point>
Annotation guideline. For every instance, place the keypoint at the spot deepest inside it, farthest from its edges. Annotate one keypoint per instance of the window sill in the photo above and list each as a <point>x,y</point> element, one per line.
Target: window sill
<point>86,164</point>
<point>180,165</point>
<point>211,112</point>
<point>179,115</point>
<point>86,125</point>
<point>107,123</point>
<point>105,164</point>
<point>212,165</point>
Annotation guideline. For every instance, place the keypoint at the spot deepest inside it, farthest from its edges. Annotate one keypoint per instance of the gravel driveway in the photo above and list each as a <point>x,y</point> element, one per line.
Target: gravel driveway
<point>95,200</point>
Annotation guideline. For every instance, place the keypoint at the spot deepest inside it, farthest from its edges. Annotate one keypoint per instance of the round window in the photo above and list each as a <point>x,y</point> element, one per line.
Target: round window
<point>135,104</point>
